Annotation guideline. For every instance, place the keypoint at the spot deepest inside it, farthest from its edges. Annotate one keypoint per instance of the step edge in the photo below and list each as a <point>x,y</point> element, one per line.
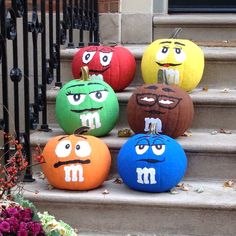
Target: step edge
<point>214,20</point>
<point>96,197</point>
<point>210,53</point>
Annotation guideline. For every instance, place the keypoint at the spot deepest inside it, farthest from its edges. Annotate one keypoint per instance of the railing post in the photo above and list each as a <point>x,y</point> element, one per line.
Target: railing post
<point>3,49</point>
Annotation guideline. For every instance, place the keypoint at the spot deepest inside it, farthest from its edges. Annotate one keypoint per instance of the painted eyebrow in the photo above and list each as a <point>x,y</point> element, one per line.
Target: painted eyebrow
<point>146,137</point>
<point>178,43</point>
<point>76,85</point>
<point>63,137</point>
<point>106,50</point>
<point>165,42</point>
<point>80,136</point>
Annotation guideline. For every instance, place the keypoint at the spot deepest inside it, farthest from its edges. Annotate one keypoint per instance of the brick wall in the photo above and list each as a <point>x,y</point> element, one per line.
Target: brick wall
<point>106,6</point>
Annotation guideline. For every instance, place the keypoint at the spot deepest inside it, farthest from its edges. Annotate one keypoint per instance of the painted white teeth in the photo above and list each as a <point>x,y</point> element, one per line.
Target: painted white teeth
<point>171,76</point>
<point>99,77</point>
<point>147,99</point>
<point>166,102</point>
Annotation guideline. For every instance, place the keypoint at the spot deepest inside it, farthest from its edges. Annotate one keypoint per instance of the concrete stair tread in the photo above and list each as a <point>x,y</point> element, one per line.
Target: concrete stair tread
<point>205,95</point>
<point>214,195</point>
<point>195,19</point>
<point>199,141</point>
<point>210,52</point>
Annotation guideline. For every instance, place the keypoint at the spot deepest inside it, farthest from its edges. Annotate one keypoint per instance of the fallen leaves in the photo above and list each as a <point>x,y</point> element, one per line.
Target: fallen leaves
<point>222,131</point>
<point>229,184</point>
<point>118,181</point>
<point>187,134</point>
<point>105,192</point>
<point>124,132</point>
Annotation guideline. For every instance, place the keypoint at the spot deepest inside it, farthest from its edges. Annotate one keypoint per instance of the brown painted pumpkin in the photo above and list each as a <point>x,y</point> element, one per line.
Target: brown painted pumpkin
<point>168,106</point>
<point>76,162</point>
<point>115,65</point>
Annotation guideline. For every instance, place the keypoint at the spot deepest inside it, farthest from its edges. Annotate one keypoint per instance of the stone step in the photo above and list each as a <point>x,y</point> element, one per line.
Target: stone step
<point>207,208</point>
<point>219,71</point>
<point>209,156</point>
<point>214,108</point>
<point>196,26</point>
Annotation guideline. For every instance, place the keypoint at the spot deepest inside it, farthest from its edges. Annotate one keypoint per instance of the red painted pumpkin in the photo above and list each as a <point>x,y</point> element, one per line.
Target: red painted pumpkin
<point>170,107</point>
<point>76,162</point>
<point>115,65</point>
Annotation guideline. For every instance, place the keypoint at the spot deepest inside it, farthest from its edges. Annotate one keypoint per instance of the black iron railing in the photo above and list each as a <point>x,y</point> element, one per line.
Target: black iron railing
<point>44,27</point>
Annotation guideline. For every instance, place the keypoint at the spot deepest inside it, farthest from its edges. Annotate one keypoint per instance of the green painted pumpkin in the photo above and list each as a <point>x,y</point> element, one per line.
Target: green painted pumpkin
<point>87,102</point>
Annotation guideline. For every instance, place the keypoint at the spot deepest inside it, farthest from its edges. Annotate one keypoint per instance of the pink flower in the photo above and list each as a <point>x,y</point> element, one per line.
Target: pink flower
<point>5,227</point>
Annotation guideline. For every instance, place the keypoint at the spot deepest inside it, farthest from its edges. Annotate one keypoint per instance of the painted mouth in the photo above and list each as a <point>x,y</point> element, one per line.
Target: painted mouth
<point>168,64</point>
<point>151,160</point>
<point>154,112</point>
<point>60,163</point>
<point>84,110</point>
<point>98,71</point>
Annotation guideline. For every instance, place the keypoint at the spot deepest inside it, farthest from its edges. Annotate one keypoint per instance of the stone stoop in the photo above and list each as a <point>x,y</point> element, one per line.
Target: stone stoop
<point>207,208</point>
<point>203,27</point>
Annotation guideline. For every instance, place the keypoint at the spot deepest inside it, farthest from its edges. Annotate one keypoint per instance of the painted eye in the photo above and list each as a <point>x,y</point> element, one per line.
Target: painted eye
<point>76,99</point>
<point>158,149</point>
<point>99,96</point>
<point>162,53</point>
<point>180,56</point>
<point>141,149</point>
<point>82,149</point>
<point>87,57</point>
<point>105,58</point>
<point>63,148</point>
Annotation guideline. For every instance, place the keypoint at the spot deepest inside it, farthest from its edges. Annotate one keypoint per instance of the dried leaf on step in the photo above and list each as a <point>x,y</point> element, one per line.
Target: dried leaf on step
<point>199,190</point>
<point>214,132</point>
<point>118,181</point>
<point>40,175</point>
<point>225,90</point>
<point>229,184</point>
<point>205,89</point>
<point>187,134</point>
<point>124,132</point>
<point>223,131</point>
<point>105,192</point>
<point>50,187</point>
<point>182,187</point>
<point>174,191</point>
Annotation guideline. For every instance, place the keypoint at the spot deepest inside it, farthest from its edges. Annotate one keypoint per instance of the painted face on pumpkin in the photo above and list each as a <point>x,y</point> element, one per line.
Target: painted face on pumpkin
<point>168,106</point>
<point>102,55</point>
<point>173,61</point>
<point>72,162</point>
<point>150,162</point>
<point>115,65</point>
<point>90,103</point>
<point>72,157</point>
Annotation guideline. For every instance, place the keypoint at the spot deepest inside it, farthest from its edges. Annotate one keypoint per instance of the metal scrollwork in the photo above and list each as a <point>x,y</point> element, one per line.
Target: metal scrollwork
<point>33,117</point>
<point>35,26</point>
<point>62,32</point>
<point>15,75</point>
<point>10,24</point>
<point>18,6</point>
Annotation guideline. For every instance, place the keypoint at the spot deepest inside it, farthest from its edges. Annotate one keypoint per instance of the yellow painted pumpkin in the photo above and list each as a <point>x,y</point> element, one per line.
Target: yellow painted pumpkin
<point>76,162</point>
<point>173,61</point>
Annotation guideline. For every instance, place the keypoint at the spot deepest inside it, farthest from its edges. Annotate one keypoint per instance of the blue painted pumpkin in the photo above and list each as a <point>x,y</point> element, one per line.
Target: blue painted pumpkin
<point>151,162</point>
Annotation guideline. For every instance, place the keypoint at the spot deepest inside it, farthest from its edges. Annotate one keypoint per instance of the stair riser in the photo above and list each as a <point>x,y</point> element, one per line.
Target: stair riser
<point>139,220</point>
<point>200,165</point>
<point>217,73</point>
<point>201,33</point>
<point>205,117</point>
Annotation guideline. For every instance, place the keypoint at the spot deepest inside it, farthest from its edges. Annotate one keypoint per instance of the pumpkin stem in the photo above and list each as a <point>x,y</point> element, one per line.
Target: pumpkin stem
<point>84,73</point>
<point>176,33</point>
<point>153,128</point>
<point>81,130</point>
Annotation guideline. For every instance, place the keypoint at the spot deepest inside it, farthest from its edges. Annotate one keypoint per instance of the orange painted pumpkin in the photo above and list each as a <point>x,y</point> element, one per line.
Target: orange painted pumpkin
<point>76,162</point>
